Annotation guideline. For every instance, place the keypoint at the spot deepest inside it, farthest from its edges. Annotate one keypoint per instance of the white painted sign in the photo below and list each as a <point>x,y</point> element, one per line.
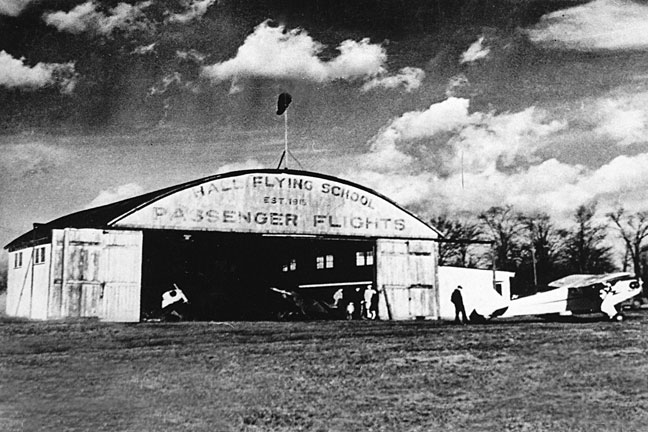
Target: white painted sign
<point>278,203</point>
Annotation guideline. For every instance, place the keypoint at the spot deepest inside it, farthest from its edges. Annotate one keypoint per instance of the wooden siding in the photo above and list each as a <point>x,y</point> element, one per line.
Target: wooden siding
<point>96,273</point>
<point>406,279</point>
<point>27,290</point>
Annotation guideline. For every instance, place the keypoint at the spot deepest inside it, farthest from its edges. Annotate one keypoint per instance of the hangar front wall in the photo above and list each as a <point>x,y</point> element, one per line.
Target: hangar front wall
<point>278,203</point>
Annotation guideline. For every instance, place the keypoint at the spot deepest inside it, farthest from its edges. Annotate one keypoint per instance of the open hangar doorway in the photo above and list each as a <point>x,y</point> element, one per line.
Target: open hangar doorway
<point>236,276</point>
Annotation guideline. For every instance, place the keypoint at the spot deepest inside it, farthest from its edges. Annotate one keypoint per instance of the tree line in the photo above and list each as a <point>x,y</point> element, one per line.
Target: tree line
<point>532,246</point>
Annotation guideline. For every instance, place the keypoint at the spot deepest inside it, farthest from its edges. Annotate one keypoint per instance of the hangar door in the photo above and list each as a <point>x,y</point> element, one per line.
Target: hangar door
<point>96,273</point>
<point>406,279</point>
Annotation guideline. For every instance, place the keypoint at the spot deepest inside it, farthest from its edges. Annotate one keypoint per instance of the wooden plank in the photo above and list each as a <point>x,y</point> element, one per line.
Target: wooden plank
<point>90,300</point>
<point>406,275</point>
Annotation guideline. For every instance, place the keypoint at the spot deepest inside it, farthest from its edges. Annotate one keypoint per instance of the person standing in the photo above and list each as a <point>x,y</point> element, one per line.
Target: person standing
<point>370,312</point>
<point>460,311</point>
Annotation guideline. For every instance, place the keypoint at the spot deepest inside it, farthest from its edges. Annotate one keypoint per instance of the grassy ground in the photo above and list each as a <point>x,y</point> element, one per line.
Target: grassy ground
<point>324,376</point>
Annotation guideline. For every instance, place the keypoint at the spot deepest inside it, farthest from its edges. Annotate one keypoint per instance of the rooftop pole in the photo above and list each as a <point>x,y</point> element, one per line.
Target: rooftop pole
<point>286,139</point>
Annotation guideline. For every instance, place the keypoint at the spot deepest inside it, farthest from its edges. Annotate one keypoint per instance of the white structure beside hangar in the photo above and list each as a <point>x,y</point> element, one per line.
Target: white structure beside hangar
<point>483,290</point>
<point>225,240</point>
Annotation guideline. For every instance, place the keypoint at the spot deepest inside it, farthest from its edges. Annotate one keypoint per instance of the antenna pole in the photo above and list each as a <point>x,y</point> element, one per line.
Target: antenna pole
<point>286,138</point>
<point>462,168</point>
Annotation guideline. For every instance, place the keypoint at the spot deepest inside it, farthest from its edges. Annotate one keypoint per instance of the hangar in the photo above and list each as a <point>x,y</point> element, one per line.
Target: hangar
<point>226,240</point>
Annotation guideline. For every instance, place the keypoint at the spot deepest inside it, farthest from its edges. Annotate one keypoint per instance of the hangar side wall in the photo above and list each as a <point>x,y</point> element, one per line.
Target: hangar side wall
<point>406,277</point>
<point>27,291</point>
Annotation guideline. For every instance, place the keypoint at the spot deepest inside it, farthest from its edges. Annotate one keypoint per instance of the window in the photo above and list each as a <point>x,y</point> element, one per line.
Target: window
<point>291,266</point>
<point>325,261</point>
<point>39,255</point>
<point>18,260</point>
<point>364,258</point>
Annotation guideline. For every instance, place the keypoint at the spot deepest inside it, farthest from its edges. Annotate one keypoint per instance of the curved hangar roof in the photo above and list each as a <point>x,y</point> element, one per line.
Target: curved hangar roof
<point>267,201</point>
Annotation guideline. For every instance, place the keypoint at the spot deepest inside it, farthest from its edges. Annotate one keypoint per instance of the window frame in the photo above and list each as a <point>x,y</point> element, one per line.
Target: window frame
<point>18,260</point>
<point>39,255</point>
<point>364,258</point>
<point>324,262</point>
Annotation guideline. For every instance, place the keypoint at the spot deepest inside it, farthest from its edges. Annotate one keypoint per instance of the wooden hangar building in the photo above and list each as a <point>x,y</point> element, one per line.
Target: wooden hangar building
<point>230,242</point>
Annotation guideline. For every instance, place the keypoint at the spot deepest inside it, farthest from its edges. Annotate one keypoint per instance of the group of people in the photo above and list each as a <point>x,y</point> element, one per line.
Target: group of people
<point>358,302</point>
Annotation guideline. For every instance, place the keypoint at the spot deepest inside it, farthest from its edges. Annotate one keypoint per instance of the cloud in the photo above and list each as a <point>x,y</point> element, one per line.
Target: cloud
<point>621,121</point>
<point>274,52</point>
<point>115,194</point>
<point>475,52</point>
<point>86,18</point>
<point>405,189</point>
<point>15,74</point>
<point>195,9</point>
<point>32,158</point>
<point>13,7</point>
<point>456,84</point>
<point>600,24</point>
<point>448,138</point>
<point>239,166</point>
<point>550,186</point>
<point>448,159</point>
<point>191,55</point>
<point>168,80</point>
<point>408,77</point>
<point>145,49</point>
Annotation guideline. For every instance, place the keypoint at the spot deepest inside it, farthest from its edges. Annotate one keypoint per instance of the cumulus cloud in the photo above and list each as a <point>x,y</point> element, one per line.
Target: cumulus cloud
<point>405,189</point>
<point>13,7</point>
<point>476,51</point>
<point>28,159</point>
<point>14,73</point>
<point>550,186</point>
<point>448,138</point>
<point>410,78</point>
<point>87,18</point>
<point>621,121</point>
<point>194,9</point>
<point>115,194</point>
<point>447,158</point>
<point>600,24</point>
<point>274,52</point>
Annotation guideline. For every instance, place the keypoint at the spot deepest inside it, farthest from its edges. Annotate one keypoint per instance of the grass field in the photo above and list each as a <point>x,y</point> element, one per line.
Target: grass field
<point>324,376</point>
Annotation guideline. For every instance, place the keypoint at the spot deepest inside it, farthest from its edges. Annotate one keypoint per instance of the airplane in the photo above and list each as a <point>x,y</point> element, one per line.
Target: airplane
<point>575,294</point>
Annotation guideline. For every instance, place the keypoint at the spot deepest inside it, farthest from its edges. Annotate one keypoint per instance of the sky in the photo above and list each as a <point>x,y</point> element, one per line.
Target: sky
<point>445,106</point>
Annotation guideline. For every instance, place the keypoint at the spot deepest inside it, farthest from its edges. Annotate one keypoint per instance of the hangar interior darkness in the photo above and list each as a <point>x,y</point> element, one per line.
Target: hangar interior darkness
<point>228,276</point>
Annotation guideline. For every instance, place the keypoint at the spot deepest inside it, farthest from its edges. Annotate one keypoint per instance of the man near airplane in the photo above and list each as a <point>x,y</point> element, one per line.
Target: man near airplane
<point>460,311</point>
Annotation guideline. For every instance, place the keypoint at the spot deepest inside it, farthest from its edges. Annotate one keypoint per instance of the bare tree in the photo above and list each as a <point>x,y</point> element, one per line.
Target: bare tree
<point>503,226</point>
<point>545,247</point>
<point>633,229</point>
<point>585,251</point>
<point>457,249</point>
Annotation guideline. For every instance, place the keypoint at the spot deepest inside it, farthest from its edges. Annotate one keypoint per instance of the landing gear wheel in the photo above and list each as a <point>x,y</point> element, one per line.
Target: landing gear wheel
<point>618,317</point>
